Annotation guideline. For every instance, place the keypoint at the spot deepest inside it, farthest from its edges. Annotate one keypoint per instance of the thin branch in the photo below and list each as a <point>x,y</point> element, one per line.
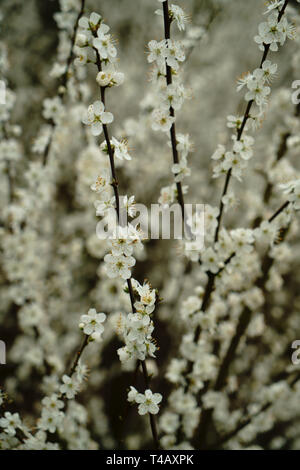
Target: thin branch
<point>241,130</point>
<point>129,283</point>
<point>167,26</point>
<point>79,354</point>
<point>64,80</point>
<point>279,211</point>
<point>73,39</point>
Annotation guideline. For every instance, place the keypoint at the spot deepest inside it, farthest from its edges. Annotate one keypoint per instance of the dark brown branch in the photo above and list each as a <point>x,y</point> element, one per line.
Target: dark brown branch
<point>117,197</point>
<point>167,26</point>
<point>241,130</point>
<point>79,354</point>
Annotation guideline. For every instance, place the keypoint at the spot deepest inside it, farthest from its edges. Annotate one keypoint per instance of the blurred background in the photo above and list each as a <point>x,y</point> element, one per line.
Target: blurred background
<point>66,266</point>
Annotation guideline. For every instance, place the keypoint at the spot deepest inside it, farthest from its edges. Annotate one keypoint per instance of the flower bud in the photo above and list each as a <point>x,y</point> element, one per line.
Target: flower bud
<point>81,40</point>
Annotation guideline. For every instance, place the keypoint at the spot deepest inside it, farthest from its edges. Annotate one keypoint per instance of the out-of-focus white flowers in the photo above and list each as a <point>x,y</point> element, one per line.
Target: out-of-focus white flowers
<point>48,268</point>
<point>70,386</point>
<point>53,108</point>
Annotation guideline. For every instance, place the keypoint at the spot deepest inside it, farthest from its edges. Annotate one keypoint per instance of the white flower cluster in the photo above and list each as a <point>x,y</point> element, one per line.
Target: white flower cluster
<point>166,55</point>
<point>177,14</point>
<point>256,84</point>
<point>124,239</point>
<point>123,242</point>
<point>95,45</point>
<point>120,149</point>
<point>93,37</point>
<point>52,416</point>
<point>11,423</point>
<point>273,32</point>
<point>138,327</point>
<point>148,402</point>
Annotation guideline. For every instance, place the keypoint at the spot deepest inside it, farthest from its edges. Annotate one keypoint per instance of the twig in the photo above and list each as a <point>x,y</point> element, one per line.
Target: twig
<point>241,130</point>
<point>64,80</point>
<point>79,354</point>
<point>129,284</point>
<point>167,26</point>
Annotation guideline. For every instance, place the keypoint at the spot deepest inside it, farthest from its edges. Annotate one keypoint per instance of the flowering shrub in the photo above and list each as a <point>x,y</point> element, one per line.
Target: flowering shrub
<point>124,342</point>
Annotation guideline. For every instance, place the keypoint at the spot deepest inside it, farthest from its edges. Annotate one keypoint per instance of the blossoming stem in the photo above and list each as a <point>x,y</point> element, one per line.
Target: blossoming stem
<point>167,26</point>
<point>241,130</point>
<point>129,283</point>
<point>109,147</point>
